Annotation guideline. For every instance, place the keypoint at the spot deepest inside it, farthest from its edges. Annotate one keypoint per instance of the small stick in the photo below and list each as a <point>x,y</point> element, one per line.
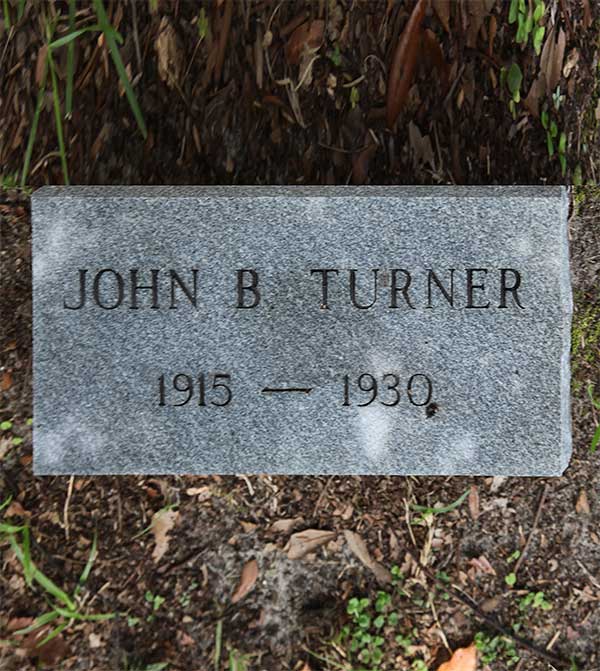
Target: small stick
<point>66,508</point>
<point>536,519</point>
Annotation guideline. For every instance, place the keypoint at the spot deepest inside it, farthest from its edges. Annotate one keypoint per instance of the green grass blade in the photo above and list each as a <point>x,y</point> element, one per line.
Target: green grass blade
<point>90,562</point>
<point>6,14</point>
<point>58,118</point>
<point>70,38</point>
<point>218,644</point>
<point>36,117</point>
<point>21,9</point>
<point>70,61</point>
<point>6,503</point>
<point>111,41</point>
<point>595,440</point>
<point>53,634</point>
<point>53,589</point>
<point>9,528</point>
<point>39,622</point>
<point>27,563</point>
<point>76,615</point>
<point>444,509</point>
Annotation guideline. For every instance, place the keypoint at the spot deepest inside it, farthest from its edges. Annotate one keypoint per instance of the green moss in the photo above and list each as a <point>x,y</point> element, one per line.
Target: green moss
<point>585,334</point>
<point>584,194</point>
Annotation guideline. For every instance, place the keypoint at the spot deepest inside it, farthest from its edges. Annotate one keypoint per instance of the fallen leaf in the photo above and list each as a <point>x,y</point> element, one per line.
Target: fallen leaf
<point>203,493</point>
<point>477,11</point>
<point>482,565</point>
<point>16,509</point>
<point>402,69</point>
<point>248,527</point>
<point>463,659</point>
<point>6,382</point>
<point>551,61</point>
<point>169,53</point>
<point>162,523</point>
<point>48,654</point>
<point>582,507</point>
<point>442,10</point>
<point>247,580</point>
<point>307,37</point>
<point>303,542</point>
<point>572,60</point>
<point>359,548</point>
<point>285,525</point>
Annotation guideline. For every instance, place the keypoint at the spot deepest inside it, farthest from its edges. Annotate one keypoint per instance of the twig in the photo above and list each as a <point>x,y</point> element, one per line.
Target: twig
<point>321,496</point>
<point>136,39</point>
<point>536,519</point>
<point>66,508</point>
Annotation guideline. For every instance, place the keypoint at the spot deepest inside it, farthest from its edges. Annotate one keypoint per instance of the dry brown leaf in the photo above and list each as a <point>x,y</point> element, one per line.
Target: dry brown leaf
<point>463,659</point>
<point>169,53</point>
<point>49,654</point>
<point>582,507</point>
<point>477,11</point>
<point>162,523</point>
<point>307,37</point>
<point>6,382</point>
<point>303,542</point>
<point>442,10</point>
<point>285,525</point>
<point>247,580</point>
<point>359,548</point>
<point>551,61</point>
<point>402,70</point>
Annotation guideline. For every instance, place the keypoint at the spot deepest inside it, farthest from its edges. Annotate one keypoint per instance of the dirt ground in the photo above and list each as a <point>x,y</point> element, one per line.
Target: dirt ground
<point>251,102</point>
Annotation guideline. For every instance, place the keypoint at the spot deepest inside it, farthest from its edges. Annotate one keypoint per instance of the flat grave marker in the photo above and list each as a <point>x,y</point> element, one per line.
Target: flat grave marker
<point>371,330</point>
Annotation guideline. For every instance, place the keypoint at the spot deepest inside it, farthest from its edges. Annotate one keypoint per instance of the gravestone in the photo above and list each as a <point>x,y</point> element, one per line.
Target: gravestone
<point>375,330</point>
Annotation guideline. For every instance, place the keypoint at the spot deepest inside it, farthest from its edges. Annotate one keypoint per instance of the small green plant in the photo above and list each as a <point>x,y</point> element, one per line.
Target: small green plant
<point>354,97</point>
<point>65,609</point>
<point>534,600</point>
<point>419,665</point>
<point>496,648</point>
<point>511,579</point>
<point>528,16</point>
<point>238,661</point>
<point>553,136</point>
<point>334,55</point>
<point>596,403</point>
<point>514,78</point>
<point>8,426</point>
<point>155,601</point>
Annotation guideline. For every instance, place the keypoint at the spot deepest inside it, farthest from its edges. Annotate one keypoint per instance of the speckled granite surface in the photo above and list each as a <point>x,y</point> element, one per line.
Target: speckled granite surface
<point>461,388</point>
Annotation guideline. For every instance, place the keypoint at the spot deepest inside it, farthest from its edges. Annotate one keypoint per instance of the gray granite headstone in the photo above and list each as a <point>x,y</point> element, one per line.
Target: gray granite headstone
<point>237,329</point>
